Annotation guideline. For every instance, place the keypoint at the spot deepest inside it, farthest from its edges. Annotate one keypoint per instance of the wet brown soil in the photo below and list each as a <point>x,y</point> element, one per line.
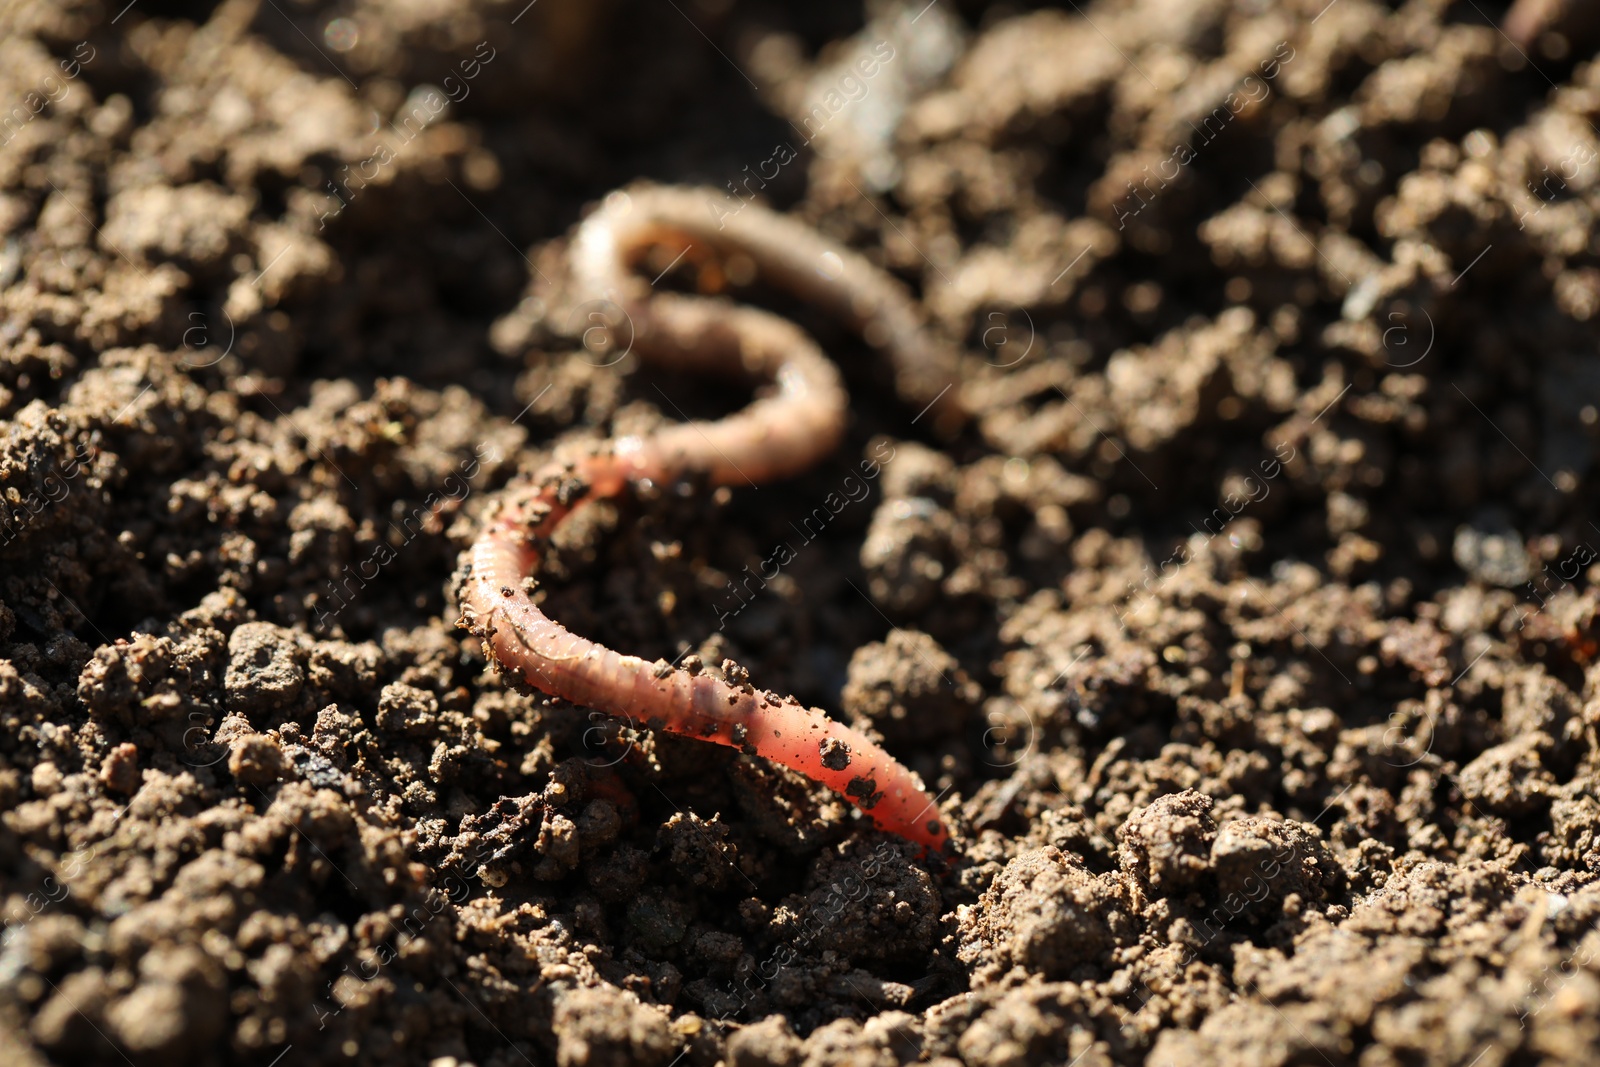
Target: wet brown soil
<point>1247,632</point>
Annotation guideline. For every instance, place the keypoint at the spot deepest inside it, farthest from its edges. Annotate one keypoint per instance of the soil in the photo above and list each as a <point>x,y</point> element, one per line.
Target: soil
<point>1247,631</point>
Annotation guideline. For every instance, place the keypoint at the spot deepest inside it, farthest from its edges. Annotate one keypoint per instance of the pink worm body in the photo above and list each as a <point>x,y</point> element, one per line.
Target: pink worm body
<point>775,436</point>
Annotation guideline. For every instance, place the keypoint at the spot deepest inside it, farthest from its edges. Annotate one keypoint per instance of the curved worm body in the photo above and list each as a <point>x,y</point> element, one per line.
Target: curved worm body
<point>777,435</point>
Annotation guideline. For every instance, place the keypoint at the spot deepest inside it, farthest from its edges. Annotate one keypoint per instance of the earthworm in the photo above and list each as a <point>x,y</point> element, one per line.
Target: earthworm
<point>780,434</point>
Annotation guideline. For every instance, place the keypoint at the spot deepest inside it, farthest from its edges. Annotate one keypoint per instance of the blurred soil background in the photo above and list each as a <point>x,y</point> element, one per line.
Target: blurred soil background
<point>1247,632</point>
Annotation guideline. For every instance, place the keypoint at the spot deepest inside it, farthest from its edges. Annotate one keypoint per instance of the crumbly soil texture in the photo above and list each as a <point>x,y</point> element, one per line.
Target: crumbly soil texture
<point>1246,630</point>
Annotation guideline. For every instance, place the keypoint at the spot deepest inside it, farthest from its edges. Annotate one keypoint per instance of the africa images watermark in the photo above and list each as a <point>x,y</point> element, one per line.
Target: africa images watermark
<point>456,488</point>
<point>53,889</point>
<point>34,102</point>
<point>849,89</point>
<point>1553,185</point>
<point>1579,558</point>
<point>1254,889</point>
<point>17,511</point>
<point>454,892</point>
<point>1231,506</point>
<point>1220,116</point>
<point>854,490</point>
<point>418,112</point>
<point>1552,979</point>
<point>755,977</point>
<point>1401,729</point>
